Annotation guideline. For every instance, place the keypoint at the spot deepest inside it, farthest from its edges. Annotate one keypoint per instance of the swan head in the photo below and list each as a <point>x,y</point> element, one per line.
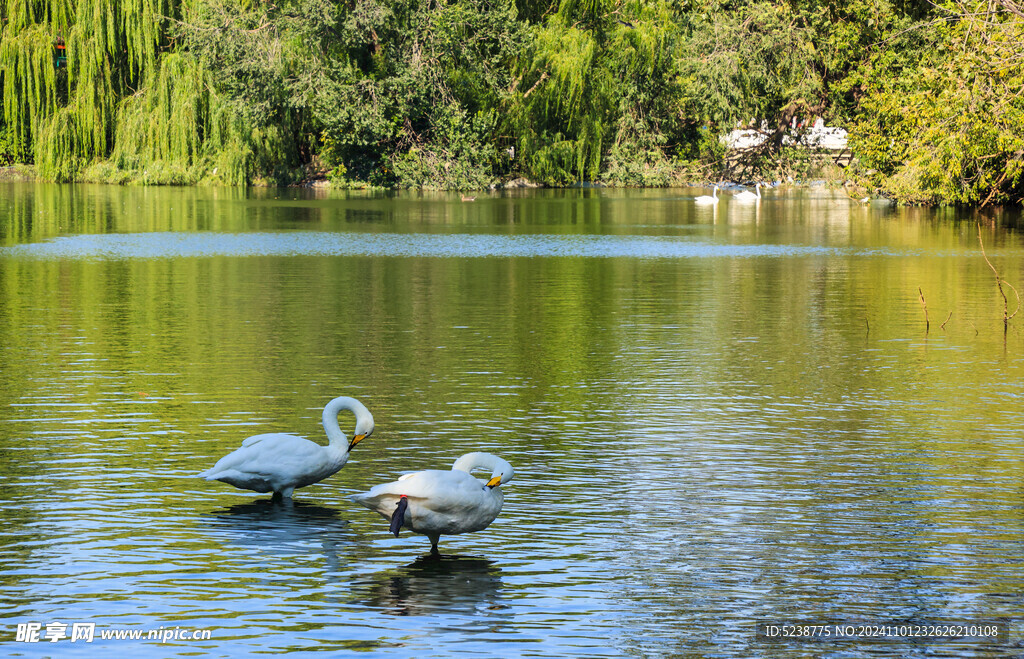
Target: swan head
<point>501,470</point>
<point>364,428</point>
<point>364,420</point>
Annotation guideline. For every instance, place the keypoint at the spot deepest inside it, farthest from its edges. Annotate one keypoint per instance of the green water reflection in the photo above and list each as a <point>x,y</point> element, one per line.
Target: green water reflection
<point>700,442</point>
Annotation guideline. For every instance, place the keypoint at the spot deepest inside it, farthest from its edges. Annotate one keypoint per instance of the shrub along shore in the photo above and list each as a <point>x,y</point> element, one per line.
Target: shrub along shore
<point>466,94</point>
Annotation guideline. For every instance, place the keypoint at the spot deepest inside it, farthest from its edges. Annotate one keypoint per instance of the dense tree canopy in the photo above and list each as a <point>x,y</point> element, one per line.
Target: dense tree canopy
<point>462,93</point>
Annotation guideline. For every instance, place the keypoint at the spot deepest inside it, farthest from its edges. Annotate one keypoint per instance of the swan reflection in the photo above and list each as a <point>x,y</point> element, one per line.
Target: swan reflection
<point>431,585</point>
<point>281,527</point>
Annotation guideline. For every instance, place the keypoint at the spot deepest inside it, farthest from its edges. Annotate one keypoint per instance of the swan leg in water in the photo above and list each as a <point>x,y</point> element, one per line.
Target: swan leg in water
<point>281,463</point>
<point>282,495</point>
<point>435,502</point>
<point>398,518</point>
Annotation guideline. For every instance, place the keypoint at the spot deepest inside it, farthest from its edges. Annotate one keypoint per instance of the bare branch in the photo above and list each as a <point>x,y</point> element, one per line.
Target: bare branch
<point>999,284</point>
<point>924,305</point>
<point>543,77</point>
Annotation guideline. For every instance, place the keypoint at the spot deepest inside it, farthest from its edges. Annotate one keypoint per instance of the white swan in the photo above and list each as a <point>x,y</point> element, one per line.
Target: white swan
<point>280,463</point>
<point>435,502</point>
<point>747,195</point>
<point>708,199</point>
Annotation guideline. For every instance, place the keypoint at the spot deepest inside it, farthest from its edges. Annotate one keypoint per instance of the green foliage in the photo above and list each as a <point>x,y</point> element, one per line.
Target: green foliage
<point>459,156</point>
<point>30,90</point>
<point>433,93</point>
<point>252,50</point>
<point>598,81</point>
<point>749,66</point>
<point>8,148</point>
<point>411,97</point>
<point>178,130</point>
<point>951,128</point>
<point>849,38</point>
<point>109,44</point>
<point>629,165</point>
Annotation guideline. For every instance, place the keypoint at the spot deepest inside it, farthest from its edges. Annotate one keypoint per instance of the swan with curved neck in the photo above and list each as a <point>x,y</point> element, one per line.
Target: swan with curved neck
<point>747,195</point>
<point>435,502</point>
<point>281,463</point>
<point>708,199</point>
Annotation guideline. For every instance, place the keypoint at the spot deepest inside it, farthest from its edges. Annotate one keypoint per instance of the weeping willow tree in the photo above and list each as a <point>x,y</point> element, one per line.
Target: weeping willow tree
<point>597,77</point>
<point>122,106</point>
<point>565,112</point>
<point>109,44</point>
<point>63,117</point>
<point>177,129</point>
<point>650,125</point>
<point>28,79</point>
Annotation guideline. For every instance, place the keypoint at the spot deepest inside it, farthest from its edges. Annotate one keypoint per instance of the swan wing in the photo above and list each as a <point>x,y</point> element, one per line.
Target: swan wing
<point>384,497</point>
<point>276,459</point>
<point>255,439</point>
<point>440,502</point>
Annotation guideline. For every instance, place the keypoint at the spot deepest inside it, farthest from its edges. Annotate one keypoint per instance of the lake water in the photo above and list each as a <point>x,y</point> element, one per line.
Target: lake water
<point>720,419</point>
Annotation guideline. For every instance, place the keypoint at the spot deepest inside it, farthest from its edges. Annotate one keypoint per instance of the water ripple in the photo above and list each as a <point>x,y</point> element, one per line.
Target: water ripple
<point>163,245</point>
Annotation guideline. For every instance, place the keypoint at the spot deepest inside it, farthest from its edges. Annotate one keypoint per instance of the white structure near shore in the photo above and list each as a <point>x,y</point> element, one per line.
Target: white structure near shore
<point>818,136</point>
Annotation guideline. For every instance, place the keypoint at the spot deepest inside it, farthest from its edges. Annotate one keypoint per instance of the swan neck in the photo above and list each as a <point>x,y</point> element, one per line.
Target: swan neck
<point>335,435</point>
<point>498,466</point>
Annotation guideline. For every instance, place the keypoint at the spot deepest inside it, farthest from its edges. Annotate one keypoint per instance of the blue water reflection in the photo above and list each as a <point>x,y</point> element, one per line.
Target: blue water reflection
<point>315,243</point>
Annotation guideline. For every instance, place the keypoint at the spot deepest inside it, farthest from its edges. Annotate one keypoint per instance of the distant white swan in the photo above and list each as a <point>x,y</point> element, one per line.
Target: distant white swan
<point>280,463</point>
<point>708,199</point>
<point>435,502</point>
<point>747,195</point>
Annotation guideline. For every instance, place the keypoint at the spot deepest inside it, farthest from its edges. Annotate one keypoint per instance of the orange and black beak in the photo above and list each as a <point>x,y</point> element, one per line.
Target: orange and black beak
<point>356,440</point>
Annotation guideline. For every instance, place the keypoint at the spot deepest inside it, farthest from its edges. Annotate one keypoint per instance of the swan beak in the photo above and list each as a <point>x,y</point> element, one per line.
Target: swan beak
<point>356,440</point>
<point>494,482</point>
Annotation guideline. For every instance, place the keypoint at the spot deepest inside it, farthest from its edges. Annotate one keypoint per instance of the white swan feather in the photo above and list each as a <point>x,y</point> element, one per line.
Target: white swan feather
<point>708,199</point>
<point>439,502</point>
<point>747,195</point>
<point>281,463</point>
